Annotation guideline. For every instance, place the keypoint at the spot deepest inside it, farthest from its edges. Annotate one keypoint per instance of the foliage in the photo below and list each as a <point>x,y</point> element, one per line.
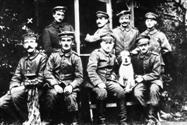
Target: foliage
<point>10,41</point>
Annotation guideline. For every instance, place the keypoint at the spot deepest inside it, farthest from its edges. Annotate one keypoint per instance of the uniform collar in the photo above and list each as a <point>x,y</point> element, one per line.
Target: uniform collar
<point>128,28</point>
<point>33,56</point>
<point>57,25</point>
<point>145,56</point>
<point>106,26</point>
<point>66,54</point>
<point>152,31</point>
<point>106,54</point>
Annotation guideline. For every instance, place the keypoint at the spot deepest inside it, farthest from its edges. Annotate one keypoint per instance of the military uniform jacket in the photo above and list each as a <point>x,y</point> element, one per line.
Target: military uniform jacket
<point>50,37</point>
<point>125,38</point>
<point>101,67</point>
<point>34,64</point>
<point>101,31</point>
<point>149,66</point>
<point>64,69</point>
<point>159,43</point>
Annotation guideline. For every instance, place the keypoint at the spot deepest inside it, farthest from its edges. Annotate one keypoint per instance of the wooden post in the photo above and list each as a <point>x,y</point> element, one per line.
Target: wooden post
<point>109,11</point>
<point>132,12</point>
<point>77,25</point>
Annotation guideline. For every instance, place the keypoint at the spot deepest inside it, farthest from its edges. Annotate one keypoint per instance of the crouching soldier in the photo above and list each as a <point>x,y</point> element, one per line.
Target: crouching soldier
<point>25,84</point>
<point>64,73</point>
<point>147,67</point>
<point>103,78</point>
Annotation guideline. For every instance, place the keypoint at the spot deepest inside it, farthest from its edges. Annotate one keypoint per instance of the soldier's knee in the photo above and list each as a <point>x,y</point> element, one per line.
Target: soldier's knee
<point>154,89</point>
<point>121,94</point>
<point>138,93</point>
<point>102,94</point>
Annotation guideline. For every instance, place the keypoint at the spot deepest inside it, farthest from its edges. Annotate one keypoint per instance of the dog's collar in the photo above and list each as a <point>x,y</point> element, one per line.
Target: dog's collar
<point>126,64</point>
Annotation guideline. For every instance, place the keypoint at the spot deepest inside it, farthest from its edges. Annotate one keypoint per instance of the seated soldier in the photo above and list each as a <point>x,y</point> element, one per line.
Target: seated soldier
<point>103,78</point>
<point>27,78</point>
<point>64,73</point>
<point>147,68</point>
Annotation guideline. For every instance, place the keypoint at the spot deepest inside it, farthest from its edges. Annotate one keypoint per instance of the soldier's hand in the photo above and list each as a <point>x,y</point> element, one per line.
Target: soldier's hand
<point>68,89</point>
<point>87,37</point>
<point>58,89</point>
<point>135,51</point>
<point>139,79</point>
<point>101,86</point>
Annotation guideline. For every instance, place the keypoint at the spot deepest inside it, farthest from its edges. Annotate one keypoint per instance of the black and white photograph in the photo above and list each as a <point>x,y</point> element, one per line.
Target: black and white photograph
<point>93,62</point>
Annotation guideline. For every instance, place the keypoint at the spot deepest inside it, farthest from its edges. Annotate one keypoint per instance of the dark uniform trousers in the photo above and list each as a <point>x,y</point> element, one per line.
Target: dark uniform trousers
<point>117,91</point>
<point>148,92</point>
<point>13,105</point>
<point>62,69</point>
<point>101,70</point>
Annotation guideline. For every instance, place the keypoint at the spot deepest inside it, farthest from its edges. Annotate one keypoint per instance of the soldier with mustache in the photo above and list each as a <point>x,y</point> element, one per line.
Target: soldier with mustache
<point>125,34</point>
<point>27,79</point>
<point>103,27</point>
<point>64,74</point>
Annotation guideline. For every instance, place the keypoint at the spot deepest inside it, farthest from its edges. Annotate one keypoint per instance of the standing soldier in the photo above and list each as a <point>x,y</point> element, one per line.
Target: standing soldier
<point>103,78</point>
<point>26,83</point>
<point>147,68</point>
<point>103,27</point>
<point>64,73</point>
<point>158,41</point>
<point>125,34</point>
<point>50,37</point>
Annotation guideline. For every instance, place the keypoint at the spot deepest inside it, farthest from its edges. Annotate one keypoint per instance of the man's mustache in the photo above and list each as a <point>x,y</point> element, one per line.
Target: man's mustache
<point>66,45</point>
<point>29,47</point>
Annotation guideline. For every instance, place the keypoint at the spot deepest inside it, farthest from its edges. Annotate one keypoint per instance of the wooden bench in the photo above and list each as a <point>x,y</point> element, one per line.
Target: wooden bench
<point>108,105</point>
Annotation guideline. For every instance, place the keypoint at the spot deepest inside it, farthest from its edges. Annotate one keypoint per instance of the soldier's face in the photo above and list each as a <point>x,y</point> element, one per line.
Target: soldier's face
<point>30,44</point>
<point>101,21</point>
<point>150,23</point>
<point>107,45</point>
<point>144,47</point>
<point>58,16</point>
<point>66,43</point>
<point>124,20</point>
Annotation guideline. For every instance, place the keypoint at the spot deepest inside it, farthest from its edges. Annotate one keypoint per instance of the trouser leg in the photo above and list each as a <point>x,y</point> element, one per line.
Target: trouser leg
<point>7,109</point>
<point>154,100</point>
<point>139,94</point>
<point>18,96</point>
<point>49,104</point>
<point>72,106</point>
<point>121,100</point>
<point>101,95</point>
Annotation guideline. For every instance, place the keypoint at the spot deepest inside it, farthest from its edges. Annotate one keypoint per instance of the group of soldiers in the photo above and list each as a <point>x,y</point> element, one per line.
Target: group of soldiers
<point>49,82</point>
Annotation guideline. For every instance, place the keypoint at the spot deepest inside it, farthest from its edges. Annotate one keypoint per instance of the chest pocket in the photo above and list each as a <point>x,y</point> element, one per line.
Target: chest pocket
<point>66,65</point>
<point>155,44</point>
<point>106,62</point>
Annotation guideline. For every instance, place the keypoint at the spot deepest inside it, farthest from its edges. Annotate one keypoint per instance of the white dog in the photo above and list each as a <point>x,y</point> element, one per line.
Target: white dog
<point>126,72</point>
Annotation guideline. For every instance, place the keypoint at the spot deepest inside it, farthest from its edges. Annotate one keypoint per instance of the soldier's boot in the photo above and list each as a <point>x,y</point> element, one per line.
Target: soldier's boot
<point>122,112</point>
<point>151,117</point>
<point>74,120</point>
<point>100,112</point>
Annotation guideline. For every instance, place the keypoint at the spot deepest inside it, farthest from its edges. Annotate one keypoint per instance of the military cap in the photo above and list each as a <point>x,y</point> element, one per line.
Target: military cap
<point>142,42</point>
<point>66,34</point>
<point>102,14</point>
<point>151,15</point>
<point>107,36</point>
<point>123,12</point>
<point>59,8</point>
<point>30,34</point>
